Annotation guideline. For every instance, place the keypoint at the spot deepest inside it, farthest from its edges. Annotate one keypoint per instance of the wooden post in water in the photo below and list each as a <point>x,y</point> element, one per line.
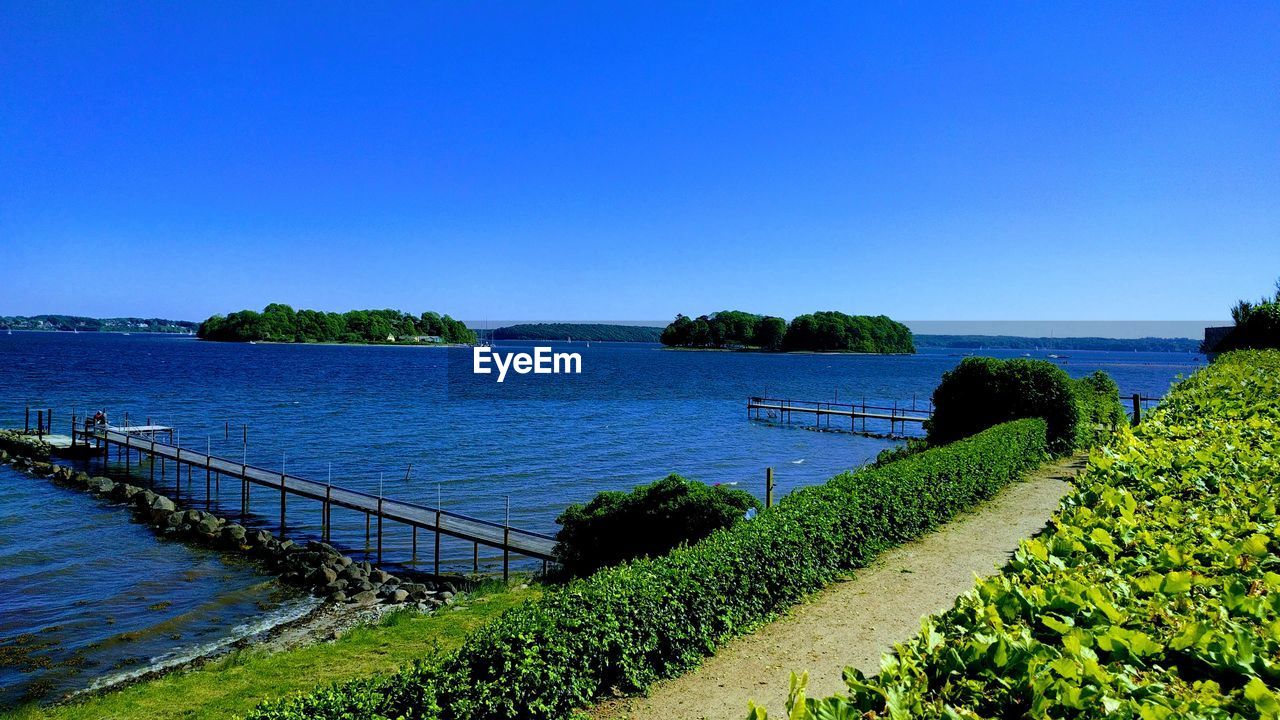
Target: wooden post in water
<point>73,431</point>
<point>26,422</point>
<point>40,423</point>
<point>282,495</point>
<point>475,558</point>
<point>48,419</point>
<point>208,474</point>
<point>437,541</point>
<point>324,513</point>
<point>768,487</point>
<point>1137,408</point>
<point>506,543</point>
<point>413,555</point>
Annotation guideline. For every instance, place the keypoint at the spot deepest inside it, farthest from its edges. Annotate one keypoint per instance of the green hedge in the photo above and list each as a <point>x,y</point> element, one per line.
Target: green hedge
<point>1155,594</point>
<point>647,522</point>
<point>982,391</point>
<point>628,626</point>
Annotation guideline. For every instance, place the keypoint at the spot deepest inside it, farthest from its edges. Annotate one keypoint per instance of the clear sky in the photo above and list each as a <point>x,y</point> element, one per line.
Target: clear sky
<point>945,161</point>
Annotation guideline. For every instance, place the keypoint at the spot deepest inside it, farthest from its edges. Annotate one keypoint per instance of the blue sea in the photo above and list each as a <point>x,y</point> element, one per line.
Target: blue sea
<point>88,594</point>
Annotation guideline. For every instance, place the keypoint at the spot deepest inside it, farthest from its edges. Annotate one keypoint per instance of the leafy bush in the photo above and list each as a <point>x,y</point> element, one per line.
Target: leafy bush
<point>627,626</point>
<point>899,452</point>
<point>648,521</point>
<point>1155,594</point>
<point>981,392</point>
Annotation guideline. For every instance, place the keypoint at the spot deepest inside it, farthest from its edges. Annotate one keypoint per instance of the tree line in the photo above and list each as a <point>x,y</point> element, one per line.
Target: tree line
<point>80,323</point>
<point>281,323</point>
<point>578,331</point>
<point>824,331</point>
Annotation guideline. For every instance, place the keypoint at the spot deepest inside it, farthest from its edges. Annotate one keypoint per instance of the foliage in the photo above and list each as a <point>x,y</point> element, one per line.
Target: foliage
<point>1011,342</point>
<point>981,392</point>
<point>80,323</point>
<point>281,323</point>
<point>835,331</point>
<point>627,626</point>
<point>1154,594</point>
<point>1256,325</point>
<point>898,452</point>
<point>820,331</point>
<point>579,331</point>
<point>646,522</point>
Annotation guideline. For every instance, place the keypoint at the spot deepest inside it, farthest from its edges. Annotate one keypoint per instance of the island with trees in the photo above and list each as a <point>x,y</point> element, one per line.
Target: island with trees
<point>281,323</point>
<point>823,331</point>
<point>595,332</point>
<point>1014,342</point>
<point>79,323</point>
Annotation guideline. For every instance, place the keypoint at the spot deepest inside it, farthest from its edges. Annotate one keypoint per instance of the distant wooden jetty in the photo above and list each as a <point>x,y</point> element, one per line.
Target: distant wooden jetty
<point>897,417</point>
<point>144,440</point>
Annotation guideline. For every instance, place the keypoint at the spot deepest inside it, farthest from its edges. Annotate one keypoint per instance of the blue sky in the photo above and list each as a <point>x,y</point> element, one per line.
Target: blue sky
<point>627,162</point>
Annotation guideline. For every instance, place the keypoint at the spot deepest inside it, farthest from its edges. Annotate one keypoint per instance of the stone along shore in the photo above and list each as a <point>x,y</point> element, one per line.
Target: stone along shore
<point>316,566</point>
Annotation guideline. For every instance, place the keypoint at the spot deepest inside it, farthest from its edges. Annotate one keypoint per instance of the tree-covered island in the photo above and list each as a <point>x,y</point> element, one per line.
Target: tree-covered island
<point>281,323</point>
<point>824,331</point>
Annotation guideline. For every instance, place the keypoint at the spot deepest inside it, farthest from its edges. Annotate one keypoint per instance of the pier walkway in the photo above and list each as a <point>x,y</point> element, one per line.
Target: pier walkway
<point>143,440</point>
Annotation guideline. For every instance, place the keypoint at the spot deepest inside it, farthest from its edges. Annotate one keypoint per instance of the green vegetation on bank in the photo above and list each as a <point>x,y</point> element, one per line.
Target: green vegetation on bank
<point>233,685</point>
<point>826,331</point>
<point>87,324</point>
<point>647,522</point>
<point>281,323</point>
<point>1011,342</point>
<point>981,392</point>
<point>1257,325</point>
<point>627,626</point>
<point>594,332</point>
<point>1154,594</point>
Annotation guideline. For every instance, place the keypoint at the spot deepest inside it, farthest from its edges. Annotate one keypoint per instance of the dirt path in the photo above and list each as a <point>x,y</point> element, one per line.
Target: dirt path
<point>855,621</point>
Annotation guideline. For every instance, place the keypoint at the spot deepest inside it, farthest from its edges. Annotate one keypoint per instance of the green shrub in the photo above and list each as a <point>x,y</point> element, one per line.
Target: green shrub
<point>646,522</point>
<point>625,627</point>
<point>1098,398</point>
<point>981,392</point>
<point>1154,594</point>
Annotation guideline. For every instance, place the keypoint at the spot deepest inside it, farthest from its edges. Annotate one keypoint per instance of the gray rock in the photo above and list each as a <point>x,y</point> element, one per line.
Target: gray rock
<point>379,575</point>
<point>258,537</point>
<point>322,576</point>
<point>160,502</point>
<point>365,597</point>
<point>233,534</point>
<point>208,525</point>
<point>326,548</point>
<point>339,596</point>
<point>100,484</point>
<point>399,596</point>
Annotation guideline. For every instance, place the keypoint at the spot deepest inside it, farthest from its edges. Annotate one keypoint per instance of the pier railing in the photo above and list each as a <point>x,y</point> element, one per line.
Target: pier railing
<point>783,409</point>
<point>481,532</point>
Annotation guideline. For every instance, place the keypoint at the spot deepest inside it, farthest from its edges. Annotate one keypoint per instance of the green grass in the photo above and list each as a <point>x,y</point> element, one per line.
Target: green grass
<point>235,684</point>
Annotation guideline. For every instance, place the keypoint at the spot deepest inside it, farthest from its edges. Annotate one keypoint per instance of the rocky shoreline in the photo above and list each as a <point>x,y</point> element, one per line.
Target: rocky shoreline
<point>316,566</point>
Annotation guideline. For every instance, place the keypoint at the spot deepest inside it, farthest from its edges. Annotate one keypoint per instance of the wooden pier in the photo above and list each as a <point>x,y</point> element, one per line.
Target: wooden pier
<point>781,410</point>
<point>143,440</point>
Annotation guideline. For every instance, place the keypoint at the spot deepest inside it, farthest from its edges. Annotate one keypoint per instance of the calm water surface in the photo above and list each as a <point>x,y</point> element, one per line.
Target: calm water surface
<point>412,421</point>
